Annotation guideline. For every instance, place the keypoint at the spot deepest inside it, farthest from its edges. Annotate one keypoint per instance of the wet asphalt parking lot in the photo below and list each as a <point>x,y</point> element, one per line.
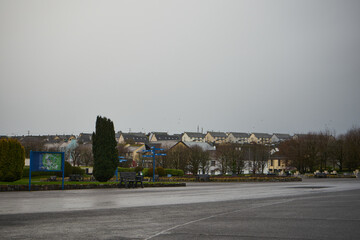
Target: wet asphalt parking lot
<point>311,209</point>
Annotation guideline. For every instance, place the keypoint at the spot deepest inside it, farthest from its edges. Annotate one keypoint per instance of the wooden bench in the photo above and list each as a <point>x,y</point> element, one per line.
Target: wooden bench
<point>52,179</point>
<point>76,177</point>
<point>130,178</point>
<point>203,178</point>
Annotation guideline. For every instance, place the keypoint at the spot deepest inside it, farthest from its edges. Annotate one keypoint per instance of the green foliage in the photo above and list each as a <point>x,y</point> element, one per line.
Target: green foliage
<point>68,171</point>
<point>104,150</point>
<point>12,160</point>
<point>161,171</point>
<point>26,171</point>
<point>138,169</point>
<point>145,171</point>
<point>174,172</point>
<point>78,170</point>
<point>150,172</point>
<point>121,169</point>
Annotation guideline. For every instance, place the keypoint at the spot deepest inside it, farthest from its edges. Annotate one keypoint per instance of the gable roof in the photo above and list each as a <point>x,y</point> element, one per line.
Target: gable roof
<point>137,137</point>
<point>240,135</point>
<point>161,136</point>
<point>218,134</point>
<point>85,137</point>
<point>195,134</point>
<point>204,146</point>
<point>282,135</point>
<point>262,135</point>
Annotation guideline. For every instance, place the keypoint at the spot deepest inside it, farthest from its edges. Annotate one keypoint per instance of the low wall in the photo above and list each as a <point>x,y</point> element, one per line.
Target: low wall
<point>9,187</point>
<point>237,179</point>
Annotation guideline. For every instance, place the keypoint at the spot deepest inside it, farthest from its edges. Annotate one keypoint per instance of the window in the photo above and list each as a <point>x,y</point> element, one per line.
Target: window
<point>213,163</point>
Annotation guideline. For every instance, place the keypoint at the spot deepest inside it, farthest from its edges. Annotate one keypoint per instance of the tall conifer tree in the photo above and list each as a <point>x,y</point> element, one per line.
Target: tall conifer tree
<point>104,150</point>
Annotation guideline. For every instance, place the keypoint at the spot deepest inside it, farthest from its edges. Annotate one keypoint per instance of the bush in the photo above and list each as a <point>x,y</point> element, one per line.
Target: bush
<point>161,171</point>
<point>68,170</point>
<point>150,172</point>
<point>138,169</point>
<point>121,169</point>
<point>78,170</point>
<point>145,171</point>
<point>12,160</point>
<point>175,172</point>
<point>36,173</point>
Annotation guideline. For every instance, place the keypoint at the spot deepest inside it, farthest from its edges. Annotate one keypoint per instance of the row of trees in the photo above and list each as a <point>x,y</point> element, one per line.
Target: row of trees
<point>187,159</point>
<point>323,151</point>
<point>231,158</point>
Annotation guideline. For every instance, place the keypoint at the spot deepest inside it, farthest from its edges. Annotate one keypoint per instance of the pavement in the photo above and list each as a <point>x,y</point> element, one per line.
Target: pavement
<point>312,209</point>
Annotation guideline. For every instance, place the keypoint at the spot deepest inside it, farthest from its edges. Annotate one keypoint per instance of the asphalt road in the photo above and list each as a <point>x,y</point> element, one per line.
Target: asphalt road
<point>312,209</point>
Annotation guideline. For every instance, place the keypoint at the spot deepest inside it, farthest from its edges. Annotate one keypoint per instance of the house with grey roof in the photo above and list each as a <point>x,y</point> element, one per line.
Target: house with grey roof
<point>203,145</point>
<point>84,138</point>
<point>280,137</point>
<point>193,137</point>
<point>136,138</point>
<point>261,138</point>
<point>238,137</point>
<point>163,136</point>
<point>215,137</point>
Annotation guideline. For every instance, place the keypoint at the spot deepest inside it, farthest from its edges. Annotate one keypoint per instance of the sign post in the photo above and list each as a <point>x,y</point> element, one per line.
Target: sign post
<point>121,159</point>
<point>47,162</point>
<point>153,151</point>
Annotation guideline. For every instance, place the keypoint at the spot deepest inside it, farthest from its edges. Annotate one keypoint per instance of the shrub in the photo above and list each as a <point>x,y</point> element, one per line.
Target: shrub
<point>68,170</point>
<point>161,171</point>
<point>145,171</point>
<point>150,172</point>
<point>78,170</point>
<point>12,160</point>
<point>175,172</point>
<point>37,173</point>
<point>138,169</point>
<point>121,169</point>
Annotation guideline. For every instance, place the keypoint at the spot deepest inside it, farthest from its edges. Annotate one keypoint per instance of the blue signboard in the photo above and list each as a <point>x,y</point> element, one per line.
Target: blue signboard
<point>47,162</point>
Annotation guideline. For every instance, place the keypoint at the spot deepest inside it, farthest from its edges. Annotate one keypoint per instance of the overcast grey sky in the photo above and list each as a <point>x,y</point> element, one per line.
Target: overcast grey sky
<point>255,66</point>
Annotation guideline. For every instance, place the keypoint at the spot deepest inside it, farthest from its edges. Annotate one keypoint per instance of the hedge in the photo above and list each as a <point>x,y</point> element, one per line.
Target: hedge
<point>68,171</point>
<point>175,172</point>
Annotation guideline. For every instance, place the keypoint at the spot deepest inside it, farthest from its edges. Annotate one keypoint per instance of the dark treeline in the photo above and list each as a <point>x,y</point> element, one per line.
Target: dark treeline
<point>323,151</point>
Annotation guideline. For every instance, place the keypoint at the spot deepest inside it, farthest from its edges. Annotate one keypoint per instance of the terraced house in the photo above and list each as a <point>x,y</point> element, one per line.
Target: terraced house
<point>163,136</point>
<point>193,137</point>
<point>260,138</point>
<point>238,137</point>
<point>280,137</point>
<point>135,138</point>
<point>215,137</point>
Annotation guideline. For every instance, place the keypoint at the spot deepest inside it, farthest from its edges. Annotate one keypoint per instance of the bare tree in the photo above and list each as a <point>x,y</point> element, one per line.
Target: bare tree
<point>86,155</point>
<point>199,159</point>
<point>205,162</point>
<point>75,155</point>
<point>178,157</point>
<point>352,149</point>
<point>231,158</point>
